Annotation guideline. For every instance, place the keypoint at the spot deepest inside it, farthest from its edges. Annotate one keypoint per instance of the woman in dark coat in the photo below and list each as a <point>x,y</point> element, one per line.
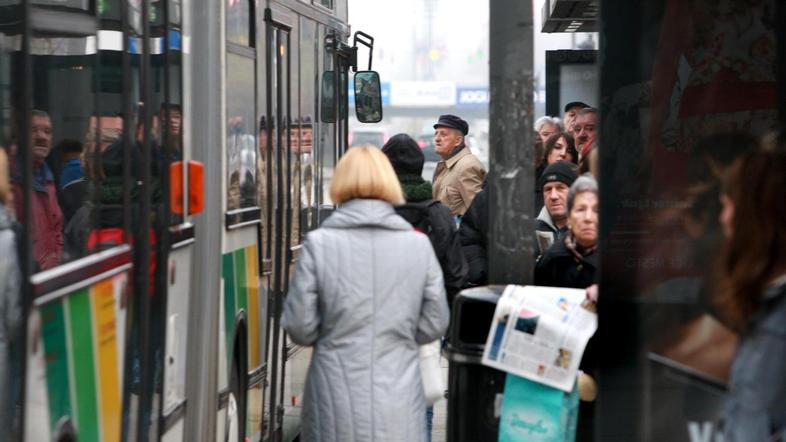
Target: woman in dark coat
<point>573,263</point>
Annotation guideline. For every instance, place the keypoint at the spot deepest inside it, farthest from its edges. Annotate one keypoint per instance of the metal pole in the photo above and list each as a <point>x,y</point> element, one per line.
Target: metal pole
<point>143,238</point>
<point>781,61</point>
<point>511,178</point>
<point>24,76</point>
<point>204,92</point>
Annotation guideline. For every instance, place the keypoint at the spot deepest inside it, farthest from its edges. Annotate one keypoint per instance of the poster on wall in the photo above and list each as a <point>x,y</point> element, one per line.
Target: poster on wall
<point>686,88</point>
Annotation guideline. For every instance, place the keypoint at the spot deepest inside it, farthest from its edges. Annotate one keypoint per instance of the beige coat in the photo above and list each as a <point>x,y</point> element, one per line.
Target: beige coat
<point>457,180</point>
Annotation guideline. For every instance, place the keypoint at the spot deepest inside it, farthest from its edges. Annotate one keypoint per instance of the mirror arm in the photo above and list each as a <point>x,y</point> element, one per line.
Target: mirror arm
<point>367,41</point>
<point>350,53</point>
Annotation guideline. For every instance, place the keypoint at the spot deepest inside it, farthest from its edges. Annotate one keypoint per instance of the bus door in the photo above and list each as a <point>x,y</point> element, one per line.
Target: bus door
<point>278,100</point>
<point>181,193</point>
<point>162,204</point>
<point>243,306</point>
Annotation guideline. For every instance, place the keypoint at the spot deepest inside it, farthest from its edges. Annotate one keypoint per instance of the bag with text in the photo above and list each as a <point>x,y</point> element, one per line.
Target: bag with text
<point>535,412</point>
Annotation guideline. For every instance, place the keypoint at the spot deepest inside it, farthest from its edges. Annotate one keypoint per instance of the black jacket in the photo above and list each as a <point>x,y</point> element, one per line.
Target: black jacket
<point>559,267</point>
<point>473,232</point>
<point>546,232</point>
<point>444,239</point>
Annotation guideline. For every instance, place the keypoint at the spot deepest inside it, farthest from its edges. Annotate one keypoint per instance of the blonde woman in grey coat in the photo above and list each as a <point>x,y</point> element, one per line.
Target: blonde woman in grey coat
<point>367,292</point>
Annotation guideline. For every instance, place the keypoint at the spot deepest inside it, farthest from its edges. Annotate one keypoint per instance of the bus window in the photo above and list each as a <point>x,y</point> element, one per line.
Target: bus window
<point>327,145</point>
<point>241,134</point>
<point>76,149</point>
<point>238,20</point>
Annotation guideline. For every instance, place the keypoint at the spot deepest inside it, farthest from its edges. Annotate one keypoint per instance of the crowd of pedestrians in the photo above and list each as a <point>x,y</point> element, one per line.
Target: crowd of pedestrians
<point>377,279</point>
<point>405,270</point>
<point>399,299</point>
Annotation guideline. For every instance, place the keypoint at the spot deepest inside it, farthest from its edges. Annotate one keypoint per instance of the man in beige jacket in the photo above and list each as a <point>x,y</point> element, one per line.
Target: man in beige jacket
<point>459,176</point>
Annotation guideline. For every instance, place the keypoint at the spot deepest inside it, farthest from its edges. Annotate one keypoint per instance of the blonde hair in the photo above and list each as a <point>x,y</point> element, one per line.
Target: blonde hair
<point>5,187</point>
<point>365,172</point>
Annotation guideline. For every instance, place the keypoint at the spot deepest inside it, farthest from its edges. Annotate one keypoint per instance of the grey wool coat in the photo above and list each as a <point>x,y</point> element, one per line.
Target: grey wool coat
<point>367,292</point>
<point>11,320</point>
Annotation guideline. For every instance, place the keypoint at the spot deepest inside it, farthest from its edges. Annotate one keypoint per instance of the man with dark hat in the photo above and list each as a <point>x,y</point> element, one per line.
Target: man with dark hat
<point>571,112</point>
<point>459,176</point>
<point>552,222</point>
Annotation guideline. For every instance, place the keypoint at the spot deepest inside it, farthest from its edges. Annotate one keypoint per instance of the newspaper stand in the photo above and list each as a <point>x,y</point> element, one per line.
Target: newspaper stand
<point>474,390</point>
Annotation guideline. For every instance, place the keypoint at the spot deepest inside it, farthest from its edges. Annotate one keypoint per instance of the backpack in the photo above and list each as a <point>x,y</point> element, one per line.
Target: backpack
<point>444,239</point>
<point>417,214</point>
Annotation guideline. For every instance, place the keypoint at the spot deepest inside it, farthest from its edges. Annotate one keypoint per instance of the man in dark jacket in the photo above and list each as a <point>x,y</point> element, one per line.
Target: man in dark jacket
<point>426,214</point>
<point>552,221</point>
<point>473,233</point>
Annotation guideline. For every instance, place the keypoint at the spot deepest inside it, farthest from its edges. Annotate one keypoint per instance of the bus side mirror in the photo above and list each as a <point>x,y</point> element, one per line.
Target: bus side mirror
<point>368,97</point>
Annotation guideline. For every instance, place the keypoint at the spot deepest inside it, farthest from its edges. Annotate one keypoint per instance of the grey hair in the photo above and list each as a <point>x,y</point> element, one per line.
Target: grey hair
<point>39,113</point>
<point>542,121</point>
<point>587,110</point>
<point>584,183</point>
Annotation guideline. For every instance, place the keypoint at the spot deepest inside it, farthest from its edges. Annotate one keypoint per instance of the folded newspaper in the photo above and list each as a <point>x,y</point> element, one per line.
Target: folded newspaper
<point>540,333</point>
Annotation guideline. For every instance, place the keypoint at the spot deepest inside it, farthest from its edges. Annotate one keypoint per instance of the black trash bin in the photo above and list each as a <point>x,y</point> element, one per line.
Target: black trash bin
<point>474,390</point>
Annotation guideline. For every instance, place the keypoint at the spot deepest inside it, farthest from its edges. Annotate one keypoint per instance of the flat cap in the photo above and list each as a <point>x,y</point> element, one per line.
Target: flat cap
<point>573,104</point>
<point>454,122</point>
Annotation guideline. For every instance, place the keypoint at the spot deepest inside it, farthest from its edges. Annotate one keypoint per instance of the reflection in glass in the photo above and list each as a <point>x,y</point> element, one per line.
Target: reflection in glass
<point>57,137</point>
<point>76,4</point>
<point>368,97</point>
<point>309,70</point>
<point>46,226</point>
<point>327,145</point>
<point>237,20</point>
<point>241,133</point>
<point>328,97</point>
<point>306,189</point>
<point>326,3</point>
<point>295,177</point>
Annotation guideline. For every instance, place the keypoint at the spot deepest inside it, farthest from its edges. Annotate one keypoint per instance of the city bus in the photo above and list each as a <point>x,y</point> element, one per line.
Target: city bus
<point>178,154</point>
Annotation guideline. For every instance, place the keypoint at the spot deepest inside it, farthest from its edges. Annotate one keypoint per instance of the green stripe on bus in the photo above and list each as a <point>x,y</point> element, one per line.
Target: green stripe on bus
<point>81,322</point>
<point>240,277</point>
<point>53,334</point>
<point>228,273</point>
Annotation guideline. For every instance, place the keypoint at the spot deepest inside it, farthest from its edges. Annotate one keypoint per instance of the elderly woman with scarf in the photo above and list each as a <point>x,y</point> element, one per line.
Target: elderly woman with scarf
<point>573,263</point>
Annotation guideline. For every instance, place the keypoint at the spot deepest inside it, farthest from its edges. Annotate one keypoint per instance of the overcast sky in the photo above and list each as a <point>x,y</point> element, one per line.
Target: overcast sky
<point>444,40</point>
<point>458,47</point>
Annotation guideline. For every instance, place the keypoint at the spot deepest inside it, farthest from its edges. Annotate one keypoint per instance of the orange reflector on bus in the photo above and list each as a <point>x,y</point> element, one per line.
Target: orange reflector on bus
<point>176,187</point>
<point>196,187</point>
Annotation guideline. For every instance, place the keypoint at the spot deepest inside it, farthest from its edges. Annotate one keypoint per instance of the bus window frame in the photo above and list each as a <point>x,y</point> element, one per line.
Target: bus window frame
<point>240,217</point>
